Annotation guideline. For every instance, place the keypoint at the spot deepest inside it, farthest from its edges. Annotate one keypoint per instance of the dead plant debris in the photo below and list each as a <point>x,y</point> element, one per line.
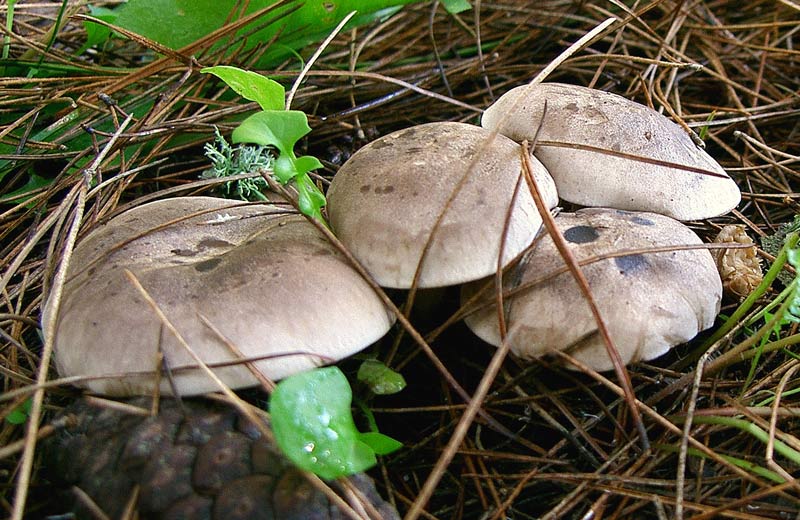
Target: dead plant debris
<point>549,443</point>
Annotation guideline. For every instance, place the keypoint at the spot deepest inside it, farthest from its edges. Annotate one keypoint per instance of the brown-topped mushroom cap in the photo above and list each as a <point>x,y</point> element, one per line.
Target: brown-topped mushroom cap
<point>594,119</point>
<point>384,201</point>
<point>649,302</point>
<point>267,280</point>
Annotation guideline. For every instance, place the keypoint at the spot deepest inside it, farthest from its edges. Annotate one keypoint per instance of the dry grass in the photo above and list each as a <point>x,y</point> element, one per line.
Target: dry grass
<point>573,450</point>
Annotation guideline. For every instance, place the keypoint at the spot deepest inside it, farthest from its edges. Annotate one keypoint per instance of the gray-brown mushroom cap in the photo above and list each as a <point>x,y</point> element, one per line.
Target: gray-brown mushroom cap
<point>268,281</point>
<point>601,120</point>
<point>384,201</point>
<point>649,302</point>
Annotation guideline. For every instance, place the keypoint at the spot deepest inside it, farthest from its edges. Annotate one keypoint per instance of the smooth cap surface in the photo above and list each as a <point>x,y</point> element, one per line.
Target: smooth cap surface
<point>602,120</point>
<point>268,281</point>
<point>649,302</point>
<point>385,200</point>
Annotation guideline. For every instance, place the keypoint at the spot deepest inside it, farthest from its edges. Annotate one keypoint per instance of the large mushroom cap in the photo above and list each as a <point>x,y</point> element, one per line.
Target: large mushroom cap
<point>384,201</point>
<point>268,281</point>
<point>649,302</point>
<point>602,120</point>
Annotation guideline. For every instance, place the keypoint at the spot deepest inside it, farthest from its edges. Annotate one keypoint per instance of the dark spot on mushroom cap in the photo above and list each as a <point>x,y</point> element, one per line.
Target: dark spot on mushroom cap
<point>379,190</point>
<point>207,265</point>
<point>407,133</point>
<point>642,221</point>
<point>581,234</point>
<point>213,242</point>
<point>572,107</point>
<point>382,143</point>
<point>365,188</point>
<point>630,264</point>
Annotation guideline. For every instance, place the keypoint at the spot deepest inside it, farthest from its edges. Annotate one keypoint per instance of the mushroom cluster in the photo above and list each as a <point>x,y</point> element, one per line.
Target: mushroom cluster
<point>445,203</point>
<point>433,205</point>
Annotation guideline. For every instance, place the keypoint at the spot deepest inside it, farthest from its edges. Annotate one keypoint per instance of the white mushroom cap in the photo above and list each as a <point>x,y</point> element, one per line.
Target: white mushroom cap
<point>268,281</point>
<point>593,118</point>
<point>649,302</point>
<point>384,201</point>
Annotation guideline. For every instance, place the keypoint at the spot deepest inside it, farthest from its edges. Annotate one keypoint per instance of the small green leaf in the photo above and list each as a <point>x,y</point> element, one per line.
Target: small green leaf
<point>278,128</point>
<point>313,424</point>
<point>268,93</point>
<point>20,414</point>
<point>309,199</point>
<point>379,443</point>
<point>97,34</point>
<point>306,163</point>
<point>285,168</point>
<point>456,6</point>
<point>381,379</point>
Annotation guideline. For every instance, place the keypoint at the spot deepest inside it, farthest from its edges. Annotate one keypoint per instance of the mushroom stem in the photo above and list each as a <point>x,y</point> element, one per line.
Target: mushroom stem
<point>577,273</point>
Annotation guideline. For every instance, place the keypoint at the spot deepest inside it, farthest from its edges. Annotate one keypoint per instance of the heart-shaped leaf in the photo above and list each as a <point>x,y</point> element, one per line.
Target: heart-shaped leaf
<point>278,128</point>
<point>313,425</point>
<point>268,93</point>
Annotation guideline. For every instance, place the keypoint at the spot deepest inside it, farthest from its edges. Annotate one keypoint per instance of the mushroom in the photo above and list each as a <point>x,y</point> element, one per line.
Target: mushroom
<point>649,301</point>
<point>588,140</point>
<point>385,200</point>
<point>268,281</point>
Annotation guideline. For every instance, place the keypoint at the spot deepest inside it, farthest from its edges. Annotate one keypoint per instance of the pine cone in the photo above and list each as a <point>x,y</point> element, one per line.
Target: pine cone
<point>739,269</point>
<point>197,460</point>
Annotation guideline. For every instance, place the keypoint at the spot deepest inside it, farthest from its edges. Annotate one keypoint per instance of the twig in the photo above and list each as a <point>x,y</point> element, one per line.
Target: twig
<point>314,57</point>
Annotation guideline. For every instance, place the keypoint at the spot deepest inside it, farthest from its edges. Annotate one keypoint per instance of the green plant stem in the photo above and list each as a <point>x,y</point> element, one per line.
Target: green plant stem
<point>746,426</point>
<point>742,351</point>
<point>744,464</point>
<point>9,27</point>
<point>771,305</point>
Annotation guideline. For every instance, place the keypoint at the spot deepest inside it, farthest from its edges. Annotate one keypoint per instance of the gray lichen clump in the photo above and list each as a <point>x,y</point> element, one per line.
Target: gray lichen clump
<point>197,459</point>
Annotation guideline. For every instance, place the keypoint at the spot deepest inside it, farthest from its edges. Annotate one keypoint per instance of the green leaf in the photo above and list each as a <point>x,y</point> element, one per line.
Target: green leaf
<point>181,22</point>
<point>456,6</point>
<point>306,163</point>
<point>284,168</point>
<point>177,22</point>
<point>278,128</point>
<point>379,443</point>
<point>381,379</point>
<point>20,414</point>
<point>268,93</point>
<point>9,27</point>
<point>97,34</point>
<point>34,183</point>
<point>309,199</point>
<point>314,427</point>
<point>703,133</point>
